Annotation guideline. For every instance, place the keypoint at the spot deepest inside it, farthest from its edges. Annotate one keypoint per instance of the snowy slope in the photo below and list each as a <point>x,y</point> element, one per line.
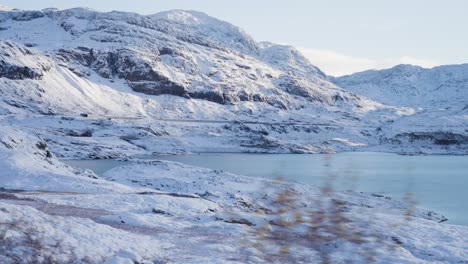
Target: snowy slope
<point>443,87</point>
<point>197,25</point>
<point>439,96</point>
<point>180,53</point>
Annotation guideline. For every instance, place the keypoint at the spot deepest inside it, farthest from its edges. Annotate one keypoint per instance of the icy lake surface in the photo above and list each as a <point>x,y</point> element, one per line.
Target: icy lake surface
<point>439,183</point>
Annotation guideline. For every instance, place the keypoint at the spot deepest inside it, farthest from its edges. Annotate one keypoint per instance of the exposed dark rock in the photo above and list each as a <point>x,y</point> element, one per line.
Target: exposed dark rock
<point>15,103</point>
<point>66,26</point>
<point>157,87</point>
<point>243,66</point>
<point>129,138</point>
<point>296,149</point>
<point>444,219</point>
<point>243,96</point>
<point>445,141</point>
<point>9,194</point>
<point>397,240</point>
<point>125,64</point>
<point>157,211</point>
<point>83,56</point>
<point>41,145</point>
<point>98,155</point>
<point>258,98</point>
<point>241,221</point>
<point>169,51</point>
<point>27,15</point>
<point>16,72</point>
<point>7,145</point>
<point>76,133</point>
<point>143,77</point>
<point>438,138</point>
<point>262,142</point>
<point>294,87</point>
<point>337,98</point>
<point>277,103</point>
<point>158,133</point>
<point>30,45</point>
<point>213,96</point>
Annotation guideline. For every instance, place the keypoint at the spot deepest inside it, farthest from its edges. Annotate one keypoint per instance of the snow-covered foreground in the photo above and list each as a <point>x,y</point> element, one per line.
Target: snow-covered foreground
<point>165,212</point>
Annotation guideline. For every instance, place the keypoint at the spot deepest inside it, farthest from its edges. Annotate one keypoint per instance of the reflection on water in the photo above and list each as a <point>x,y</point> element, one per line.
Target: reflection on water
<point>437,182</point>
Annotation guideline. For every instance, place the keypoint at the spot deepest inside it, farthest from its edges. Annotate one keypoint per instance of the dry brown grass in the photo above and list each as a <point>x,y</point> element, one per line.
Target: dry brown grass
<point>322,226</point>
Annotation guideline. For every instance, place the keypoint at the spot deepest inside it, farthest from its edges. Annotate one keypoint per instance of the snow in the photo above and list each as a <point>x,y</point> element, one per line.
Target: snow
<point>27,164</point>
<point>209,27</point>
<point>67,239</point>
<point>228,75</point>
<point>224,92</point>
<point>178,213</point>
<point>412,86</point>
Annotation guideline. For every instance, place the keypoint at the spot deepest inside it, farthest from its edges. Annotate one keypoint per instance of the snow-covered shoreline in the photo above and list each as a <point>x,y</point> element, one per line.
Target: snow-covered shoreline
<point>175,213</point>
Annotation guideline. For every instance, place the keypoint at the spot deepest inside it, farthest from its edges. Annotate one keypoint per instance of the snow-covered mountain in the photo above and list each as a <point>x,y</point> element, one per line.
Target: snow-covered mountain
<point>439,96</point>
<point>413,86</point>
<point>185,65</point>
<point>182,53</point>
<point>4,8</point>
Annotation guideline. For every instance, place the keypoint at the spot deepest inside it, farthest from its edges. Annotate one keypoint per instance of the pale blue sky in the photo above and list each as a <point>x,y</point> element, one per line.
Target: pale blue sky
<point>339,36</point>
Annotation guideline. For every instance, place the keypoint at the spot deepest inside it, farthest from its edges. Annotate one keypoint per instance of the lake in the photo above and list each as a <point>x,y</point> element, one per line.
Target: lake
<point>437,182</point>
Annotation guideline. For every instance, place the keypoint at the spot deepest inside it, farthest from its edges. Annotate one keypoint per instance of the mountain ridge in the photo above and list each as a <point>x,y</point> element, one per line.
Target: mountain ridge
<point>414,86</point>
<point>187,65</point>
<point>169,67</point>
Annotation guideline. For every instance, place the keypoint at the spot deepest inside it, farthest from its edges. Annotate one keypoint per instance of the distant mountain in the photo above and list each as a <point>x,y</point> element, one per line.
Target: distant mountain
<point>4,8</point>
<point>412,86</point>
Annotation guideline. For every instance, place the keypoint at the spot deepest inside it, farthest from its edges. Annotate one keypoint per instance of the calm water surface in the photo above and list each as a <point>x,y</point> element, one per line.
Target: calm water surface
<point>438,183</point>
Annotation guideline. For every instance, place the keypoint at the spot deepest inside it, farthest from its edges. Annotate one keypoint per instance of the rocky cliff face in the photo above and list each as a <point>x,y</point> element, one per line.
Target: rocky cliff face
<point>19,63</point>
<point>182,53</point>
